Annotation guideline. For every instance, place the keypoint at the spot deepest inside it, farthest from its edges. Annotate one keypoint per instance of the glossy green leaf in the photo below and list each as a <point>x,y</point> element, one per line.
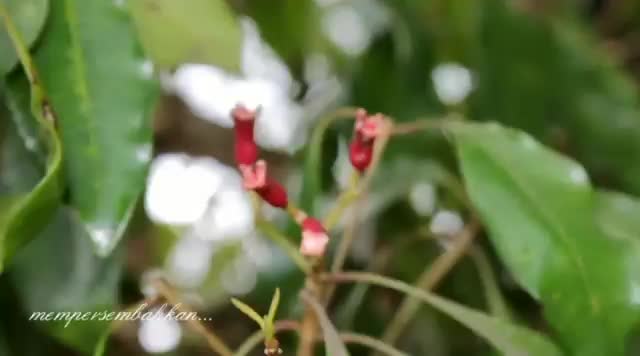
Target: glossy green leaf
<point>188,31</point>
<point>618,216</point>
<point>74,280</point>
<point>29,16</point>
<point>539,209</point>
<point>517,54</point>
<point>333,343</point>
<point>102,90</point>
<point>32,153</point>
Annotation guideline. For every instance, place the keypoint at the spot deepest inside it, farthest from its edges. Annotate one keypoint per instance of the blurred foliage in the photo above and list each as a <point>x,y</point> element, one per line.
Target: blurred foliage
<point>564,254</point>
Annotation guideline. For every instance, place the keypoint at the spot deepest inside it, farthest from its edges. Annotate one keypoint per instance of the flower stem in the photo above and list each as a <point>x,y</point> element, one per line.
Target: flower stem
<point>170,295</point>
<point>496,303</point>
<point>373,343</point>
<point>429,279</point>
<point>276,236</point>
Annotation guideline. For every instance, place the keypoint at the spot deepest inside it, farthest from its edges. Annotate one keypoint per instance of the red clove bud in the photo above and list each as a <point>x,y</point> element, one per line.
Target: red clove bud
<point>360,154</point>
<point>366,129</point>
<point>246,150</point>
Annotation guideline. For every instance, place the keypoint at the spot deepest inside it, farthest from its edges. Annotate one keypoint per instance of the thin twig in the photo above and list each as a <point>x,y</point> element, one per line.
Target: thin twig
<point>496,303</point>
<point>312,162</point>
<point>342,203</point>
<point>424,124</point>
<point>429,279</point>
<point>214,341</point>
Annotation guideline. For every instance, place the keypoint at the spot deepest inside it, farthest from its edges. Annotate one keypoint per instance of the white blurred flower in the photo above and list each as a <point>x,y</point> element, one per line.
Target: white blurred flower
<point>452,82</point>
<point>422,198</point>
<point>346,29</point>
<point>230,215</point>
<point>189,261</point>
<point>239,277</point>
<point>258,250</point>
<point>179,187</point>
<point>211,93</point>
<point>446,223</point>
<point>159,335</point>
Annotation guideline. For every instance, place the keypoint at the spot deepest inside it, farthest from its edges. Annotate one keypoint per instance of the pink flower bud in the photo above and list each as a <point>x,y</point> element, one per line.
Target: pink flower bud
<point>254,177</point>
<point>246,150</point>
<point>314,238</point>
<point>370,127</point>
<point>366,129</point>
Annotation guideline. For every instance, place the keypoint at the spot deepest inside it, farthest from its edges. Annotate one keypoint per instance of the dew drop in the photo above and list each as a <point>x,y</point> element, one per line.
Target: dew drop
<point>578,175</point>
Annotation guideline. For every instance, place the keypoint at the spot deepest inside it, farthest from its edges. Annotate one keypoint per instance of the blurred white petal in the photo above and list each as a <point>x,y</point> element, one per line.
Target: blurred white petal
<point>258,250</point>
<point>179,187</point>
<point>189,261</point>
<point>159,335</point>
<point>239,277</point>
<point>345,27</point>
<point>259,60</point>
<point>230,216</point>
<point>211,93</point>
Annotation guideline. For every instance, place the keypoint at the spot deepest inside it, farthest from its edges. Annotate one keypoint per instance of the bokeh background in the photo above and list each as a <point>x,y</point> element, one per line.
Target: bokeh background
<point>565,71</point>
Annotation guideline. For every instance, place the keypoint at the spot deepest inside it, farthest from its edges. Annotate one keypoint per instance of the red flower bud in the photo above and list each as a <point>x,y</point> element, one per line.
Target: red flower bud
<point>246,150</point>
<point>274,194</point>
<point>255,178</point>
<point>314,238</point>
<point>366,129</point>
<point>360,154</point>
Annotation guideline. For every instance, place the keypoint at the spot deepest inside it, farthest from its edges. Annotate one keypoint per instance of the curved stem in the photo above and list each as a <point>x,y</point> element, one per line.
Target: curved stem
<point>214,341</point>
<point>312,185</point>
<point>342,203</point>
<point>349,234</point>
<point>495,300</point>
<point>425,124</point>
<point>373,343</point>
<point>276,236</point>
<point>429,279</point>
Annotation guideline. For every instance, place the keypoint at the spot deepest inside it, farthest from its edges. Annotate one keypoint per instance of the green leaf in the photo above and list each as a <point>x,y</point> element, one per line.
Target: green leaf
<point>189,31</point>
<point>102,91</point>
<point>510,339</point>
<point>248,311</point>
<point>101,346</point>
<point>539,209</point>
<point>617,214</point>
<point>29,16</point>
<point>273,308</point>
<point>333,343</point>
<point>32,152</point>
<point>74,280</point>
<point>36,186</point>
